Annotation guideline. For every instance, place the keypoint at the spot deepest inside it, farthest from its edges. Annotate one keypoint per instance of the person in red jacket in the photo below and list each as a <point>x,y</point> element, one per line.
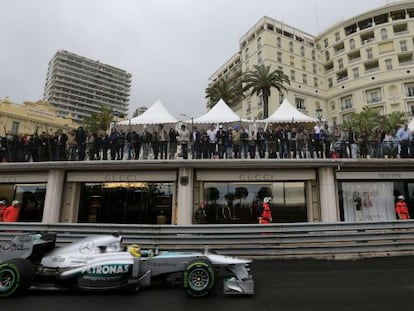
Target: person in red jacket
<point>11,213</point>
<point>401,208</point>
<point>266,215</point>
<point>2,209</point>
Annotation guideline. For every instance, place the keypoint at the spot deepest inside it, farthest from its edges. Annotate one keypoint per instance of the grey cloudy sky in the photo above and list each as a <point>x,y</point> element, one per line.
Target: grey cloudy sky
<point>170,47</point>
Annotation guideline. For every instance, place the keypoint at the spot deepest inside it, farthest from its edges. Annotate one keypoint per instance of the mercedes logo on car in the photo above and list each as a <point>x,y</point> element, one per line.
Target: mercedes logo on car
<point>86,247</point>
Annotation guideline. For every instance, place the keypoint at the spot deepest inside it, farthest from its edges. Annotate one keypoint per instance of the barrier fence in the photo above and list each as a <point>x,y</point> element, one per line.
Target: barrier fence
<point>298,240</point>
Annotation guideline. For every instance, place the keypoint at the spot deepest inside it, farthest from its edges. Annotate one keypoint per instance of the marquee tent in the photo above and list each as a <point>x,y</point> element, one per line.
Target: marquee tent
<point>220,113</point>
<point>286,113</point>
<point>156,114</point>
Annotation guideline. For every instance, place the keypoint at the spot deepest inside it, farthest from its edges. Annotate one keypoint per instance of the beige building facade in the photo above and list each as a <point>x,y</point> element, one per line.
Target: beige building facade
<point>364,61</point>
<point>31,117</point>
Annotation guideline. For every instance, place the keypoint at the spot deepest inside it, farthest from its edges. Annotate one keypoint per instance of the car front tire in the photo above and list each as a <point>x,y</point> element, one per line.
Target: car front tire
<point>199,278</point>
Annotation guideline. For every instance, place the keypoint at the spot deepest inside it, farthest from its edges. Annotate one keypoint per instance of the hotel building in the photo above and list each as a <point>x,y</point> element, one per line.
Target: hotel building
<point>366,60</point>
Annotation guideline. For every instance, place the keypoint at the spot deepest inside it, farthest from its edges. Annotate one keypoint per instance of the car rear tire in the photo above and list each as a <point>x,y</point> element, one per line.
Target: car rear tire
<point>199,278</point>
<point>16,276</point>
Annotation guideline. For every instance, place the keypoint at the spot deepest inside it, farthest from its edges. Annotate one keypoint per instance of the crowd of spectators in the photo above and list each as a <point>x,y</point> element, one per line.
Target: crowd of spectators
<point>273,141</point>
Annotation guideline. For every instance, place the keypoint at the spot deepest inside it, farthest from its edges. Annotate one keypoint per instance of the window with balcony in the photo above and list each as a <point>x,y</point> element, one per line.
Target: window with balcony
<point>313,55</point>
<point>314,68</point>
<point>405,59</point>
<point>330,83</point>
<point>302,51</point>
<point>339,48</point>
<point>315,82</point>
<point>381,19</point>
<point>367,38</point>
<point>397,15</point>
<point>364,24</point>
<point>371,66</point>
<point>354,56</point>
<point>259,43</point>
<point>304,65</point>
<point>292,61</point>
<point>326,43</point>
<point>291,47</point>
<point>300,103</point>
<point>305,79</point>
<point>327,56</point>
<point>373,96</point>
<point>346,102</point>
<point>246,53</point>
<point>329,67</point>
<point>342,76</point>
<point>351,29</point>
<point>279,57</point>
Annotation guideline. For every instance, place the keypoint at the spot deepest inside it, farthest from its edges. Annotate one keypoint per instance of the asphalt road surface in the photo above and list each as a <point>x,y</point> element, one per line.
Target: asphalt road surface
<point>369,284</point>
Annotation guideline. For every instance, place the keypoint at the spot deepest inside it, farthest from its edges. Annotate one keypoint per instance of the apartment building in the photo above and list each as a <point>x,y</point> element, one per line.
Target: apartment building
<point>366,60</point>
<point>78,86</point>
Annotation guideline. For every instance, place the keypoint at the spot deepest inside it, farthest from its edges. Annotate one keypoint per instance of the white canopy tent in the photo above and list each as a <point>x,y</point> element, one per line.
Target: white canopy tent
<point>286,113</point>
<point>156,114</point>
<point>220,113</point>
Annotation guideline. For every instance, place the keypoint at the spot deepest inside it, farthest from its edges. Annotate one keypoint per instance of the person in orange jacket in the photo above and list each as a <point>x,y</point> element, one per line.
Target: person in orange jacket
<point>401,208</point>
<point>11,213</point>
<point>266,215</point>
<point>2,209</point>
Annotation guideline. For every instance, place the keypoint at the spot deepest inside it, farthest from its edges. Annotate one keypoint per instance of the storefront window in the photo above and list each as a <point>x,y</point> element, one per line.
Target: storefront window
<point>134,203</point>
<point>239,203</point>
<point>31,196</point>
<point>368,201</point>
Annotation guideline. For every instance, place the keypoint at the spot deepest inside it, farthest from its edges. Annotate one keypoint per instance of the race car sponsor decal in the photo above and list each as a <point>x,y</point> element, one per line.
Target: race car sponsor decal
<point>104,270</point>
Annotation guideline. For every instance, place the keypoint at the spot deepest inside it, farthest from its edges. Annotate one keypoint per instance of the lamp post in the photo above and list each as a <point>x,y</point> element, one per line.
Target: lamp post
<point>191,134</point>
<point>192,120</point>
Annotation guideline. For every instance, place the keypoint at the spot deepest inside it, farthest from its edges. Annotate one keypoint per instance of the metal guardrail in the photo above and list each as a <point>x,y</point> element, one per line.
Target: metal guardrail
<point>298,240</point>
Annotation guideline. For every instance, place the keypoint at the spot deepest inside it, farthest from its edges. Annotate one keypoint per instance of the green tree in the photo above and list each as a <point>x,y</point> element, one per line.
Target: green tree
<point>261,80</point>
<point>367,119</point>
<point>99,121</point>
<point>394,120</point>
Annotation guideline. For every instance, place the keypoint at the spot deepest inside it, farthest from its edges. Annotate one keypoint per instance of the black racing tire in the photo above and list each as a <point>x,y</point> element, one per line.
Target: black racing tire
<point>16,276</point>
<point>199,277</point>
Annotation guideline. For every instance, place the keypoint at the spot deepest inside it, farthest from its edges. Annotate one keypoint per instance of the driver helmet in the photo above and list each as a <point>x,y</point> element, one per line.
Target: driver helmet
<point>134,250</point>
<point>15,202</point>
<point>2,202</point>
<point>401,197</point>
<point>267,199</point>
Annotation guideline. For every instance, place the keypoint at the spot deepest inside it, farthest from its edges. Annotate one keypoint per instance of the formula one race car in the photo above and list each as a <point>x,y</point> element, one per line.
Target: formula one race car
<point>103,262</point>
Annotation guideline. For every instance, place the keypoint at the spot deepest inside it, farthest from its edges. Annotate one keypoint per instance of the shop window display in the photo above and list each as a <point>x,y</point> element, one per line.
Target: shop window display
<point>240,203</point>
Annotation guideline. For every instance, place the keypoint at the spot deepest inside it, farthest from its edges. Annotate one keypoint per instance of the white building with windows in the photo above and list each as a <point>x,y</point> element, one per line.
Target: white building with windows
<point>364,61</point>
<point>78,86</point>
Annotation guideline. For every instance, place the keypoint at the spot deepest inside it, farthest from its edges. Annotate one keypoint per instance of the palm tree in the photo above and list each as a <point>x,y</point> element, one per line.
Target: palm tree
<point>230,90</point>
<point>99,121</point>
<point>261,80</point>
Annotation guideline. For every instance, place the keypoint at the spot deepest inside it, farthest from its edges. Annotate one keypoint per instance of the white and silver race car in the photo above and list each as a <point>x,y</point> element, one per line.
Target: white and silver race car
<point>103,262</point>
